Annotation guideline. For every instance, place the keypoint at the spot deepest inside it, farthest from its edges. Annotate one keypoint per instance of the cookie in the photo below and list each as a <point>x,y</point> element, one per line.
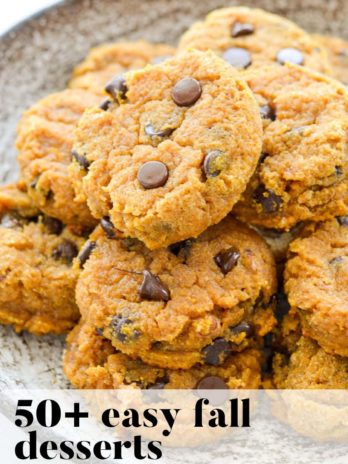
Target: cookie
<point>108,60</point>
<point>252,38</point>
<point>310,367</point>
<point>302,173</point>
<point>316,282</point>
<point>45,139</point>
<point>174,152</point>
<point>37,276</point>
<point>91,361</point>
<point>337,49</point>
<point>192,303</point>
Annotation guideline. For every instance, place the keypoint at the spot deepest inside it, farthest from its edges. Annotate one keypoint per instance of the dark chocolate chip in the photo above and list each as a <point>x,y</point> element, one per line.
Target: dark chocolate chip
<point>183,247</point>
<point>53,225</point>
<point>338,171</point>
<point>343,220</point>
<point>267,112</point>
<point>241,29</point>
<point>152,288</point>
<point>108,227</point>
<point>105,104</point>
<point>117,326</point>
<point>217,352</point>
<point>117,88</point>
<point>99,331</point>
<point>186,92</point>
<point>153,174</point>
<point>227,260</point>
<point>290,55</point>
<point>211,382</point>
<point>238,57</point>
<point>268,199</point>
<point>160,384</point>
<point>210,162</point>
<point>86,252</point>
<point>337,260</point>
<point>242,327</point>
<point>66,251</point>
<point>152,132</point>
<point>81,159</point>
<point>11,221</point>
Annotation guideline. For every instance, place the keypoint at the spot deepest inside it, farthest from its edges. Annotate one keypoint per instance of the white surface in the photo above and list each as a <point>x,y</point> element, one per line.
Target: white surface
<point>13,11</point>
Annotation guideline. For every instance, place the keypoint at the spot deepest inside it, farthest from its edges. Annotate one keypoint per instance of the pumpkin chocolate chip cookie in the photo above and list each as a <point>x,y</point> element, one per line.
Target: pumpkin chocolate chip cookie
<point>45,139</point>
<point>37,276</point>
<point>91,361</point>
<point>175,150</point>
<point>247,37</point>
<point>195,302</point>
<point>303,172</point>
<point>316,281</point>
<point>108,60</point>
<point>337,49</point>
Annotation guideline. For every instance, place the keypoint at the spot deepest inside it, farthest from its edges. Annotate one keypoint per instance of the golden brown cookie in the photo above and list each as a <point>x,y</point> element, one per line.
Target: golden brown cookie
<point>192,303</point>
<point>91,361</point>
<point>310,367</point>
<point>316,281</point>
<point>107,60</point>
<point>303,172</point>
<point>37,279</point>
<point>247,37</point>
<point>175,151</point>
<point>45,139</point>
<point>337,49</point>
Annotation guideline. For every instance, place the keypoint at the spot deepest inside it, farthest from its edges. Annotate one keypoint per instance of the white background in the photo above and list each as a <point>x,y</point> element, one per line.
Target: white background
<point>12,11</point>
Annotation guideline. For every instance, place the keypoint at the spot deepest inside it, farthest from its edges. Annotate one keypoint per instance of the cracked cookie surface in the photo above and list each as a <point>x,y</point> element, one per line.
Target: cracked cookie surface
<point>107,60</point>
<point>303,172</point>
<point>247,37</point>
<point>174,153</point>
<point>195,302</point>
<point>37,278</point>
<point>316,281</point>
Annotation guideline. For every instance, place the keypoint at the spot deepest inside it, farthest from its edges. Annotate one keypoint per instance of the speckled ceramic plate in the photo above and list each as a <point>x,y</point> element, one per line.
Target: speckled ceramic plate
<point>37,57</point>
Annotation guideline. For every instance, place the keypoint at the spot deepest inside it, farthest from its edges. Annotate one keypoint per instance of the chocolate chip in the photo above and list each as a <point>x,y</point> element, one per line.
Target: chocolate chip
<point>153,174</point>
<point>210,167</point>
<point>343,220</point>
<point>241,29</point>
<point>117,326</point>
<point>81,159</point>
<point>117,88</point>
<point>211,382</point>
<point>53,225</point>
<point>108,227</point>
<point>267,112</point>
<point>337,260</point>
<point>160,59</point>
<point>160,384</point>
<point>227,260</point>
<point>152,132</point>
<point>237,57</point>
<point>65,251</point>
<point>216,353</point>
<point>183,247</point>
<point>338,171</point>
<point>86,252</point>
<point>11,221</point>
<point>268,199</point>
<point>290,55</point>
<point>242,327</point>
<point>186,92</point>
<point>152,288</point>
<point>105,104</point>
<point>130,244</point>
<point>99,331</point>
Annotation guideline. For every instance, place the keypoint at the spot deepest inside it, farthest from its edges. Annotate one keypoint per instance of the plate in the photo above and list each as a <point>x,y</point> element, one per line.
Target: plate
<point>37,57</point>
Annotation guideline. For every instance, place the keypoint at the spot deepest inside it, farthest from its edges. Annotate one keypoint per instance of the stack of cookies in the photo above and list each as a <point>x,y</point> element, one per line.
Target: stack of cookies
<point>171,200</point>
